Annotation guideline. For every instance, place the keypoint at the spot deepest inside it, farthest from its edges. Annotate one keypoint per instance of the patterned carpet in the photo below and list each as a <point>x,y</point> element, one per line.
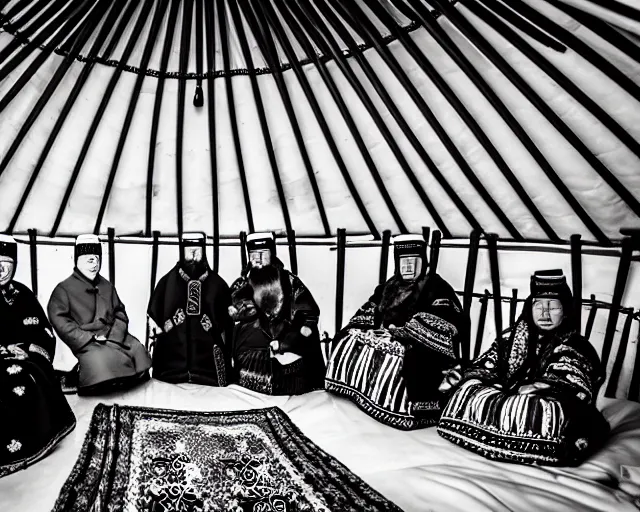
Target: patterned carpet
<point>141,459</point>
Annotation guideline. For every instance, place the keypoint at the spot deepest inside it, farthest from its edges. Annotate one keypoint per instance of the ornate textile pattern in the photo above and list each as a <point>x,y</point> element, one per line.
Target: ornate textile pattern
<point>365,316</point>
<point>366,367</point>
<point>514,428</point>
<point>221,372</point>
<point>432,331</point>
<point>139,459</point>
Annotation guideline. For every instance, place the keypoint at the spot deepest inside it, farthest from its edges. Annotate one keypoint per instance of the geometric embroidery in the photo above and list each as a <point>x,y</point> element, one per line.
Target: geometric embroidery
<point>19,390</point>
<point>194,289</point>
<point>206,323</point>
<point>179,317</point>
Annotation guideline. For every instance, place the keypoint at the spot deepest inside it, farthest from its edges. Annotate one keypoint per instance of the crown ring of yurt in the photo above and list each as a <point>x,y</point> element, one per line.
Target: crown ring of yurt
<point>319,255</point>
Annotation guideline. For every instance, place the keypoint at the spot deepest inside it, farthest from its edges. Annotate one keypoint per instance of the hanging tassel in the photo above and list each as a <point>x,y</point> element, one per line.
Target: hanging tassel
<point>198,97</point>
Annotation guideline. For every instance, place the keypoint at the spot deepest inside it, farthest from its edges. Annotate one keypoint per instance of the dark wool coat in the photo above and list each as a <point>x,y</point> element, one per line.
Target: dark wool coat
<point>80,310</point>
<point>34,414</point>
<point>258,326</point>
<point>195,328</point>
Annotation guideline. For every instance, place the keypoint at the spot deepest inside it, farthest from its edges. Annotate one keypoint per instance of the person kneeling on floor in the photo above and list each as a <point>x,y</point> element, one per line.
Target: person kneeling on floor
<point>531,397</point>
<point>34,414</point>
<point>391,356</point>
<point>276,344</point>
<point>90,318</point>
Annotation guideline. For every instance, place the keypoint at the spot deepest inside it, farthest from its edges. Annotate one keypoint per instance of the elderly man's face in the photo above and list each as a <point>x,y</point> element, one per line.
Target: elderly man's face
<point>547,313</point>
<point>410,267</point>
<point>260,258</point>
<point>6,269</point>
<point>89,265</point>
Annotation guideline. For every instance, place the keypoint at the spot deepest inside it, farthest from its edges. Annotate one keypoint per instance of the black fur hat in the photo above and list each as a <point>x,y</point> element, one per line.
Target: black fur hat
<point>551,284</point>
<point>405,245</point>
<point>87,244</point>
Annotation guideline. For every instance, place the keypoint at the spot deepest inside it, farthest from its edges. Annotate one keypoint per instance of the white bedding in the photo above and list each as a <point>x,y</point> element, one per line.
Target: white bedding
<point>417,470</point>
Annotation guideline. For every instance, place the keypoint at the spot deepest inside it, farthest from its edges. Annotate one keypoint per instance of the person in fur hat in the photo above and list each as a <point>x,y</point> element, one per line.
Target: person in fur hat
<point>189,321</point>
<point>34,414</point>
<point>91,320</point>
<point>531,397</point>
<point>276,344</point>
<point>390,357</point>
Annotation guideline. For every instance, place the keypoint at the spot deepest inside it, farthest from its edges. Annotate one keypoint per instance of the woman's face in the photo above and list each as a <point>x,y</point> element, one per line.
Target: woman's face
<point>6,269</point>
<point>89,265</point>
<point>410,267</point>
<point>547,313</point>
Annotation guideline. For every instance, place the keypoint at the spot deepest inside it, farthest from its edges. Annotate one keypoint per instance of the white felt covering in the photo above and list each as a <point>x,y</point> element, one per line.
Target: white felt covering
<point>417,470</point>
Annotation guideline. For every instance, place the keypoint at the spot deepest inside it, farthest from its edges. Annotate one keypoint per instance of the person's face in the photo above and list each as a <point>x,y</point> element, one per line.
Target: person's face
<point>410,267</point>
<point>89,265</point>
<point>547,313</point>
<point>192,254</point>
<point>260,258</point>
<point>6,269</point>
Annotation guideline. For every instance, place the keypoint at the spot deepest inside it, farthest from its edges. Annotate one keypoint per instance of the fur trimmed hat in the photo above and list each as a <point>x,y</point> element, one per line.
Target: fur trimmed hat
<point>87,244</point>
<point>551,284</point>
<point>409,245</point>
<point>9,247</point>
<point>257,241</point>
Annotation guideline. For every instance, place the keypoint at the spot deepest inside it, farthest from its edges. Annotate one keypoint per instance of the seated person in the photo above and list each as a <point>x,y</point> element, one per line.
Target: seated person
<point>276,344</point>
<point>189,322</point>
<point>34,414</point>
<point>90,318</point>
<point>390,357</point>
<point>530,397</point>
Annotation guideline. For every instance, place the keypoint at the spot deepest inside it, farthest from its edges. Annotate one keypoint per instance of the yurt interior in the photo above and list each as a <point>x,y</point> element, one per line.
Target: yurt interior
<point>503,134</point>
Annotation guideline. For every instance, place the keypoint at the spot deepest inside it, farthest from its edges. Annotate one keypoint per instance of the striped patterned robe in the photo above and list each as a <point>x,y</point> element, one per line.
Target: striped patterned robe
<point>393,372</point>
<point>559,425</point>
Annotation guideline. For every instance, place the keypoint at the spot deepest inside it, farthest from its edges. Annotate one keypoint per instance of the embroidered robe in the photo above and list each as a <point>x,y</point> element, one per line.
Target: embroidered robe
<point>390,357</point>
<point>276,309</point>
<point>558,425</point>
<point>190,316</point>
<point>34,414</point>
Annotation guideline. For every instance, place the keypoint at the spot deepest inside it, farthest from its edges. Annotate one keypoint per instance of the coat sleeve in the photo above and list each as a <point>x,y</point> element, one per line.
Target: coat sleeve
<point>242,300</point>
<point>440,322</point>
<point>120,326</point>
<point>224,320</point>
<point>368,316</point>
<point>65,326</point>
<point>573,370</point>
<point>305,314</point>
<point>485,366</point>
<point>39,338</point>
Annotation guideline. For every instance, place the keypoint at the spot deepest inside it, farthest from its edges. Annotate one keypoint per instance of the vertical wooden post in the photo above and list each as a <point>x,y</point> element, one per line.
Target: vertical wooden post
<point>492,242</point>
<point>342,245</point>
<point>111,235</point>
<point>384,256</point>
<point>293,255</point>
<point>576,278</point>
<point>33,250</point>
